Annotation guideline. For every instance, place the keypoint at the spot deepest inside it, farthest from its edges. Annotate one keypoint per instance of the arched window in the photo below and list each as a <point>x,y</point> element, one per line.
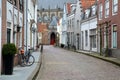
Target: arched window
<point>45,18</point>
<point>52,15</point>
<point>9,16</point>
<point>15,20</point>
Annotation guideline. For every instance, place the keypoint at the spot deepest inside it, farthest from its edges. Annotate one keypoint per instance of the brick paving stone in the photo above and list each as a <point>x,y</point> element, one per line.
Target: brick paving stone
<point>60,64</point>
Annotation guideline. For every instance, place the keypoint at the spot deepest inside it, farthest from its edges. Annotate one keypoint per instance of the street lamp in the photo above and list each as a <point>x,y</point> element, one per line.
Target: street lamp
<point>33,29</point>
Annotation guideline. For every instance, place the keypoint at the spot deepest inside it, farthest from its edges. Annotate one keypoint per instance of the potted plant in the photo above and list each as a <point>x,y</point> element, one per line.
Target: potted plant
<point>8,52</point>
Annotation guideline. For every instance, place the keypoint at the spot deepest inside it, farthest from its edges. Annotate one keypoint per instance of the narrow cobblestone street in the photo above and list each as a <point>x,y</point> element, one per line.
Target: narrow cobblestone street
<point>60,64</point>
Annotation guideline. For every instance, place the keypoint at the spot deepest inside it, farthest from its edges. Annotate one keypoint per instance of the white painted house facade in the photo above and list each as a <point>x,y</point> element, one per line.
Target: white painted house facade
<point>88,30</point>
<point>77,24</point>
<point>70,27</point>
<point>31,24</point>
<point>59,30</point>
<point>64,26</point>
<point>14,21</point>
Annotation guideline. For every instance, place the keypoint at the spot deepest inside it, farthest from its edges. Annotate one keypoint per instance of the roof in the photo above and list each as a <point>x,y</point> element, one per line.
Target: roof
<point>87,3</point>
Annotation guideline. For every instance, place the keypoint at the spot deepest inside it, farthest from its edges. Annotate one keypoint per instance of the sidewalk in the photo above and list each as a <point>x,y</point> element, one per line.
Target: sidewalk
<point>24,73</point>
<point>96,55</point>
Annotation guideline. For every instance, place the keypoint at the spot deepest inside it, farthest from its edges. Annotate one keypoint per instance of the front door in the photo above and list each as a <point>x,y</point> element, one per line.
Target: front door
<point>52,39</point>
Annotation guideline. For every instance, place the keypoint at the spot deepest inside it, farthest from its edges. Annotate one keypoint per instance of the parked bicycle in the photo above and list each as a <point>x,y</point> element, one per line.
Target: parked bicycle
<point>25,59</point>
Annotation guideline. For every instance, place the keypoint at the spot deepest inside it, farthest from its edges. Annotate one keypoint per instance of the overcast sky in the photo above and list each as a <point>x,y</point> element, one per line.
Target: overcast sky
<point>53,3</point>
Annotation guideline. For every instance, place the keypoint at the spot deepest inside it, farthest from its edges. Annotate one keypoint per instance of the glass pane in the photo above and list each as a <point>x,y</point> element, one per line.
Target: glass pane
<point>114,39</point>
<point>115,2</point>
<point>115,8</point>
<point>8,35</point>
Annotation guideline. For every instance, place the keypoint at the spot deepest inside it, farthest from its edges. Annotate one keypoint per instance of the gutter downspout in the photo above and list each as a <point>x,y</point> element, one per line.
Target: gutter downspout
<point>0,34</point>
<point>25,24</point>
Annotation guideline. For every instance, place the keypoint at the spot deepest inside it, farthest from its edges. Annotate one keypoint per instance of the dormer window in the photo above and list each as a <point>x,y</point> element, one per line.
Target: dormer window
<point>87,13</point>
<point>94,10</point>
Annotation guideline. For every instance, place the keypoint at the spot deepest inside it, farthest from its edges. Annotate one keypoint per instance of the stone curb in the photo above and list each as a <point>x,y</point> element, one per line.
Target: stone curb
<point>36,70</point>
<point>108,59</point>
<point>111,60</point>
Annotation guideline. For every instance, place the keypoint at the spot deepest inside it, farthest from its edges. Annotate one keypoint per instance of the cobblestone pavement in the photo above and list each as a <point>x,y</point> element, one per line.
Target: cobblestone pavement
<point>60,64</point>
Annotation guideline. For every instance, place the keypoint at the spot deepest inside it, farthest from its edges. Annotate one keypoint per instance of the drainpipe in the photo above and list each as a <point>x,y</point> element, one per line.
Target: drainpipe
<point>0,31</point>
<point>25,24</point>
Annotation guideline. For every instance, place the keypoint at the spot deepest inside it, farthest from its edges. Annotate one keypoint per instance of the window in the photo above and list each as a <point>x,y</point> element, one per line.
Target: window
<point>72,22</point>
<point>82,39</point>
<point>93,38</point>
<point>87,13</point>
<point>71,38</point>
<point>10,1</point>
<point>114,36</point>
<point>21,5</point>
<point>0,8</point>
<point>45,18</point>
<point>94,42</point>
<point>115,6</point>
<point>14,37</point>
<point>106,8</point>
<point>78,24</point>
<point>93,10</point>
<point>105,37</point>
<point>86,38</point>
<point>15,2</point>
<point>61,14</point>
<point>68,23</point>
<point>8,32</point>
<point>8,35</point>
<point>100,11</point>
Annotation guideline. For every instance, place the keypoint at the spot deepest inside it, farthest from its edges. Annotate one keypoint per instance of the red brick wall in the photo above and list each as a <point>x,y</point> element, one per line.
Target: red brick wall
<point>114,20</point>
<point>4,31</point>
<point>4,26</point>
<point>42,27</point>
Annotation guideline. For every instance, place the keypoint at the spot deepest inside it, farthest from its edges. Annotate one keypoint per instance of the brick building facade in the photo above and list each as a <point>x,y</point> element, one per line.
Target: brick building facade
<point>12,22</point>
<point>12,19</point>
<point>109,25</point>
<point>49,17</point>
<point>42,33</point>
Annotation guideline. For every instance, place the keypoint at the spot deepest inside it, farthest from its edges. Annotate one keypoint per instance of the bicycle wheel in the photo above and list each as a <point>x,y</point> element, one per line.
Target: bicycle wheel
<point>21,60</point>
<point>29,60</point>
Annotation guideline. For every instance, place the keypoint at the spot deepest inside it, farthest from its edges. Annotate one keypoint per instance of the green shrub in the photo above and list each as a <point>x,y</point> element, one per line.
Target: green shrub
<point>9,49</point>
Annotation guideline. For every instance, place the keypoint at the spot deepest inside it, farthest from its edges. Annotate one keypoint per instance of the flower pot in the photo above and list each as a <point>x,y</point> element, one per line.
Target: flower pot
<point>8,61</point>
<point>8,52</point>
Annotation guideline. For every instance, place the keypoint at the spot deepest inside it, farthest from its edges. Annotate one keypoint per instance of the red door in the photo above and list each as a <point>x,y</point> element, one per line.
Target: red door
<point>52,39</point>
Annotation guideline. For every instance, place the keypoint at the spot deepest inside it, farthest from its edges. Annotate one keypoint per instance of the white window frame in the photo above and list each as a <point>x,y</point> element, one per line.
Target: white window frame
<point>86,38</point>
<point>105,37</point>
<point>100,11</point>
<point>114,6</point>
<point>107,6</point>
<point>9,26</point>
<point>73,22</point>
<point>112,36</point>
<point>15,35</point>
